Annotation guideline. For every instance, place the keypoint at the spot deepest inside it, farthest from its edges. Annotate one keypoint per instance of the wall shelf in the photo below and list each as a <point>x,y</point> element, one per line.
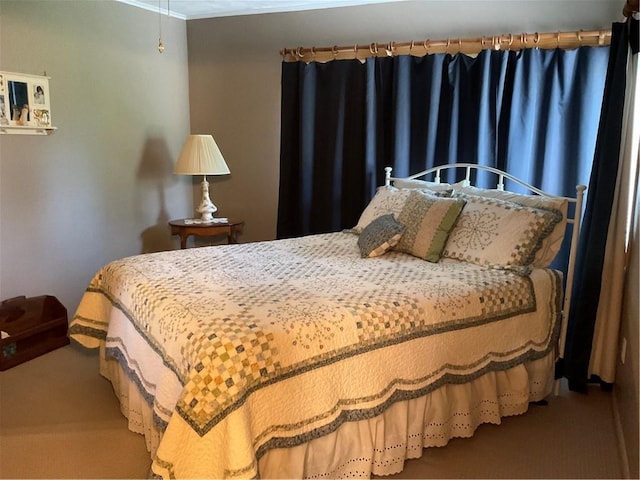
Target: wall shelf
<point>25,104</point>
<point>26,130</point>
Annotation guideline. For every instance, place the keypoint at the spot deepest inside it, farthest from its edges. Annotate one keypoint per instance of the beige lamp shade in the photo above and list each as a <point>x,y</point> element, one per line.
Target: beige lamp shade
<point>201,156</point>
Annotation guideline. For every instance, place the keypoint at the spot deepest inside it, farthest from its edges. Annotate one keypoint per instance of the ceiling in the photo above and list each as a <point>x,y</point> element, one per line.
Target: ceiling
<point>192,9</point>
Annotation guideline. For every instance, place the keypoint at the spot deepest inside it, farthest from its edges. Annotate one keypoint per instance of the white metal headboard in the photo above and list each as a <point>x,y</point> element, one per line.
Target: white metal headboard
<point>573,220</point>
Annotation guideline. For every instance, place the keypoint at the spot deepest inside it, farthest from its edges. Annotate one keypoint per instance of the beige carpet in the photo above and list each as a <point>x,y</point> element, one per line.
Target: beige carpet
<point>60,419</point>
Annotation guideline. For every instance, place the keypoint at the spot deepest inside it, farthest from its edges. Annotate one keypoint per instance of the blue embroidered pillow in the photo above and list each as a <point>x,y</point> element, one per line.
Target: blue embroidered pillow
<point>381,235</point>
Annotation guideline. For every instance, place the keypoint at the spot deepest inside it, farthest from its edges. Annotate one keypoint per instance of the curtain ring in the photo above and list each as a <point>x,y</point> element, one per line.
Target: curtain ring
<point>373,48</point>
<point>536,39</point>
<point>313,52</point>
<point>580,35</point>
<point>334,50</point>
<point>600,37</point>
<point>355,48</point>
<point>496,43</point>
<point>300,52</point>
<point>459,44</point>
<point>411,46</point>
<point>510,39</point>
<point>426,45</point>
<point>482,42</point>
<point>390,48</point>
<point>558,39</point>
<point>523,39</point>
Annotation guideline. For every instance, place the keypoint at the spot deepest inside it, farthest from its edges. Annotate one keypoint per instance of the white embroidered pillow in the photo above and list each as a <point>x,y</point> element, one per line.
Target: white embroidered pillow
<point>386,200</point>
<point>496,233</point>
<point>550,245</point>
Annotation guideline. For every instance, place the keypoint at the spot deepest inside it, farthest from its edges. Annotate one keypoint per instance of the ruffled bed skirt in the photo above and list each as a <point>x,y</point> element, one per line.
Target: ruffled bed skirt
<point>379,445</point>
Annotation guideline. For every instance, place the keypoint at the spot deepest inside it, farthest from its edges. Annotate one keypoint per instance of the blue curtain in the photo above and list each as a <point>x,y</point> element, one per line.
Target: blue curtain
<point>322,169</point>
<point>593,238</point>
<point>533,113</point>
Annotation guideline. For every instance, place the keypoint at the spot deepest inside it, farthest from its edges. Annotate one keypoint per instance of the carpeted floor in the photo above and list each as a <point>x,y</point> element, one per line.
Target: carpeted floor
<point>60,419</point>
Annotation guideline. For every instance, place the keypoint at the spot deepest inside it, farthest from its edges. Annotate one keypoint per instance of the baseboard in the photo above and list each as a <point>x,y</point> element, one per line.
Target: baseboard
<point>622,446</point>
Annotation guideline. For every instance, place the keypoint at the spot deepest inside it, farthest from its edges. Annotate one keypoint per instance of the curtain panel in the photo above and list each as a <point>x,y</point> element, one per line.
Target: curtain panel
<point>322,147</point>
<point>533,113</point>
<point>602,241</point>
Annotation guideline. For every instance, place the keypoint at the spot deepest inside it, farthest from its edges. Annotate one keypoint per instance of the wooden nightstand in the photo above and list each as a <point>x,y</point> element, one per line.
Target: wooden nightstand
<point>184,228</point>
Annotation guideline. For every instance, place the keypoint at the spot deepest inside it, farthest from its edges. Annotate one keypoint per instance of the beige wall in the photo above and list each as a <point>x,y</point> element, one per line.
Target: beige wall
<point>628,373</point>
<point>101,186</point>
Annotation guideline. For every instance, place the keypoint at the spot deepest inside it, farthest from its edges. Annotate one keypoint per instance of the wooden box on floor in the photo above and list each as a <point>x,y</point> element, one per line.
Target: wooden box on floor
<point>34,326</point>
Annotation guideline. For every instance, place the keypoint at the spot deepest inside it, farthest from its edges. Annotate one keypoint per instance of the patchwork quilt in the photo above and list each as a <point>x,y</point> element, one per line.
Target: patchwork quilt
<point>243,348</point>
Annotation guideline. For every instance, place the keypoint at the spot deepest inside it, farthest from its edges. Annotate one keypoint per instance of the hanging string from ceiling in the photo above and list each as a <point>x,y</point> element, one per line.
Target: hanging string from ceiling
<point>160,44</point>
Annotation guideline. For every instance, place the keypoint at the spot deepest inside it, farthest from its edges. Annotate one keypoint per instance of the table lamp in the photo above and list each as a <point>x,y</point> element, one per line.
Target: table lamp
<point>201,156</point>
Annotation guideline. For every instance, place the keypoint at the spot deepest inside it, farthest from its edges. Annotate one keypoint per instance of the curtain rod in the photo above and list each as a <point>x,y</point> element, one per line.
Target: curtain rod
<point>469,46</point>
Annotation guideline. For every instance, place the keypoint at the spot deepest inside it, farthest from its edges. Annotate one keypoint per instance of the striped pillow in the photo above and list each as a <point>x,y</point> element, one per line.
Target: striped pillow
<point>428,221</point>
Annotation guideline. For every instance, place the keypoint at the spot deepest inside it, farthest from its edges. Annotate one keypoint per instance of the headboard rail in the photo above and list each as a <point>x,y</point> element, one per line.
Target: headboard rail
<point>501,176</point>
<point>573,218</point>
<point>469,167</point>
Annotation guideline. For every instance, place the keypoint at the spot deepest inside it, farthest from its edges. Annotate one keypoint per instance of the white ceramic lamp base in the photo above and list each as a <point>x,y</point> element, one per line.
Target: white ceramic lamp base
<point>206,207</point>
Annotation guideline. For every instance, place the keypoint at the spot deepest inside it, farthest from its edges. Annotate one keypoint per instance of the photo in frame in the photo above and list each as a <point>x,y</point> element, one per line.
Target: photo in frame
<point>3,104</point>
<point>24,100</point>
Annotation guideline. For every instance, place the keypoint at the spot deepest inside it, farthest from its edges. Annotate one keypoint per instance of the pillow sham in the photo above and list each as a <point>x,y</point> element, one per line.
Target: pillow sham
<point>441,188</point>
<point>428,221</point>
<point>496,233</point>
<point>386,200</point>
<point>380,236</point>
<point>550,245</point>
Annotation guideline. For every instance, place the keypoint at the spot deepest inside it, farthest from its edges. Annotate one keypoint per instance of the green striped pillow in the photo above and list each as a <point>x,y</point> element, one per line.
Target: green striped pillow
<point>428,221</point>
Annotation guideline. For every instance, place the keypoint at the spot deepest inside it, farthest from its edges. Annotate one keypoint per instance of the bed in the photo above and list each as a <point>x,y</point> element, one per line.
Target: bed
<point>339,354</point>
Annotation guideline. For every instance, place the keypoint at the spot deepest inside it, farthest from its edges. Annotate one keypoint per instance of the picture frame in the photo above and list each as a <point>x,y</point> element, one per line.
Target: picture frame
<point>25,103</point>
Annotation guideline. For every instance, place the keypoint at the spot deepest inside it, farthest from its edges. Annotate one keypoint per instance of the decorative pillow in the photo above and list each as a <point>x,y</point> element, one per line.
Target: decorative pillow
<point>386,200</point>
<point>379,236</point>
<point>444,189</point>
<point>497,233</point>
<point>428,221</point>
<point>550,245</point>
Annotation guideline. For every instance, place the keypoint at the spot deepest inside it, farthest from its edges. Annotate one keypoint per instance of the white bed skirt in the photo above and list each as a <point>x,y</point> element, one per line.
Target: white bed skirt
<point>379,445</point>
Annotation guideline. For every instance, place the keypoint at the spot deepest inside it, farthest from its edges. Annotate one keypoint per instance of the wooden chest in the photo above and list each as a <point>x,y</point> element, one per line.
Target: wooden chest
<point>34,326</point>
